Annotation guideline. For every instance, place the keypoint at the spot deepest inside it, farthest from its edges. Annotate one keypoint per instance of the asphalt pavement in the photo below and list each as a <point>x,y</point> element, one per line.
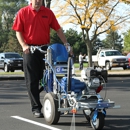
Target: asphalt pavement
<point>13,97</point>
<point>15,113</point>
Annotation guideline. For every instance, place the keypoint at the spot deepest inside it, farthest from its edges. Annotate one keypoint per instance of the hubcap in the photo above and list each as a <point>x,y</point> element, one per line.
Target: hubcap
<point>47,108</point>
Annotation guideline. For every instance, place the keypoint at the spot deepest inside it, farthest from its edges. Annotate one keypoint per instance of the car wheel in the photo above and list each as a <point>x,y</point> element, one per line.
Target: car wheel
<point>6,68</point>
<point>125,67</point>
<point>108,66</point>
<point>22,70</point>
<point>12,70</point>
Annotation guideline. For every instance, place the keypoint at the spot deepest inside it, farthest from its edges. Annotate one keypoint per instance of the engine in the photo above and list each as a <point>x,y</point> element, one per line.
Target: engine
<point>93,82</point>
<point>94,78</point>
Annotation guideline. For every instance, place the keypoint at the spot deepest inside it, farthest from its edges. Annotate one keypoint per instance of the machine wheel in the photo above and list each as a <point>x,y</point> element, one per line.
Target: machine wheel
<point>86,116</point>
<point>69,74</point>
<point>98,124</point>
<point>6,68</point>
<point>50,108</point>
<point>108,66</point>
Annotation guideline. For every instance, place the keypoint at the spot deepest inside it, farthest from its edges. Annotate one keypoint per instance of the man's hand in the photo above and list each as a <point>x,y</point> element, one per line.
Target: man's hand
<point>20,38</point>
<point>67,45</point>
<point>25,49</point>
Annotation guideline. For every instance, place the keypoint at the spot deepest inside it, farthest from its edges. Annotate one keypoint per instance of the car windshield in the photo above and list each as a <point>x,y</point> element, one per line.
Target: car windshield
<point>113,53</point>
<point>12,56</point>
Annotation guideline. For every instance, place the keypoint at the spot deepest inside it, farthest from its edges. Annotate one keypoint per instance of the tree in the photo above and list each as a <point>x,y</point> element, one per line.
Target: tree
<point>8,10</point>
<point>113,40</point>
<point>127,42</point>
<point>47,3</point>
<point>75,40</point>
<point>96,45</point>
<point>94,16</point>
<point>54,37</point>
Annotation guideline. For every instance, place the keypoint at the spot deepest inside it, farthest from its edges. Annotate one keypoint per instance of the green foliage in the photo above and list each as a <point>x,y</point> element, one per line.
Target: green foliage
<point>54,37</point>
<point>113,40</point>
<point>97,43</point>
<point>74,39</point>
<point>127,42</point>
<point>8,10</point>
<point>76,42</point>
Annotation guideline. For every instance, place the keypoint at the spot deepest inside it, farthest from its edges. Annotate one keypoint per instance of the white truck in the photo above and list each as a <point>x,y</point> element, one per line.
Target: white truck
<point>109,58</point>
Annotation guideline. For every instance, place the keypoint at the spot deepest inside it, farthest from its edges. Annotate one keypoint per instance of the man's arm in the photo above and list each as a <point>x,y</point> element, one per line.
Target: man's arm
<point>62,36</point>
<point>24,46</point>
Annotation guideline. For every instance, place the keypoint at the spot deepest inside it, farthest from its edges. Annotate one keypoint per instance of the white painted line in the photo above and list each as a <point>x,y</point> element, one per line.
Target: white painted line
<point>36,123</point>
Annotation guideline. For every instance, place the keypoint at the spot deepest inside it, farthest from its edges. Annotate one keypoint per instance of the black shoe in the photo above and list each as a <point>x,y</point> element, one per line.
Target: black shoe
<point>37,114</point>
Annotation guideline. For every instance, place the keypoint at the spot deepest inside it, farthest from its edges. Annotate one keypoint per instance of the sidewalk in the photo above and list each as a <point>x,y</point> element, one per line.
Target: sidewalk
<point>119,73</point>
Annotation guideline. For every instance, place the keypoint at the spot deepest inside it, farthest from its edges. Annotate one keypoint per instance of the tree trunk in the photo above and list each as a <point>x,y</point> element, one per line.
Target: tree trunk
<point>48,3</point>
<point>43,3</point>
<point>88,45</point>
<point>89,48</point>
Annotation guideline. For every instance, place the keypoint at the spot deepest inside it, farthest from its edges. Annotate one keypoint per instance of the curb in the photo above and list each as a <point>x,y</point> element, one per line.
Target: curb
<point>118,75</point>
<point>11,78</point>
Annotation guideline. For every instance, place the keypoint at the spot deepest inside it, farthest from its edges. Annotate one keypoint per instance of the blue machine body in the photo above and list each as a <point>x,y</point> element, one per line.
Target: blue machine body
<point>76,85</point>
<point>59,53</point>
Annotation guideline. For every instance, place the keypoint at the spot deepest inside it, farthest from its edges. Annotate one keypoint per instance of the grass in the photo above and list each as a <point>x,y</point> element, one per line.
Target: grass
<point>76,65</point>
<point>12,73</point>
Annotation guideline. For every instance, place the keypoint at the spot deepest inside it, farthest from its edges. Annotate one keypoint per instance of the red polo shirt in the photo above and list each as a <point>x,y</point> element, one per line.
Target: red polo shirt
<point>35,25</point>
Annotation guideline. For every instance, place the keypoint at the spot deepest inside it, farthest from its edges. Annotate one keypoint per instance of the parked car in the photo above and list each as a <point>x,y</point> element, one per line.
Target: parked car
<point>109,58</point>
<point>11,61</point>
<point>128,56</point>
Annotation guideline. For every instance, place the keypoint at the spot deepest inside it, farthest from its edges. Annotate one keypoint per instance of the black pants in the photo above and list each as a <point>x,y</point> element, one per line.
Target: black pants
<point>33,69</point>
<point>81,65</point>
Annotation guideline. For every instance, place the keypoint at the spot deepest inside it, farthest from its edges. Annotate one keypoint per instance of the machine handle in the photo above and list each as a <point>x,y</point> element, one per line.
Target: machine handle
<point>34,48</point>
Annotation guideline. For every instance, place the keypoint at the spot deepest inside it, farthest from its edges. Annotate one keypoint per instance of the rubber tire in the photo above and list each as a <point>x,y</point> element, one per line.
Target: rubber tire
<point>86,116</point>
<point>69,75</point>
<point>108,66</point>
<point>6,68</point>
<point>12,70</point>
<point>124,67</point>
<point>50,108</point>
<point>22,69</point>
<point>99,123</point>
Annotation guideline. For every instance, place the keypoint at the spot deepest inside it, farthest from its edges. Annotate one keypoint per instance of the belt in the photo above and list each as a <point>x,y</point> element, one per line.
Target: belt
<point>38,45</point>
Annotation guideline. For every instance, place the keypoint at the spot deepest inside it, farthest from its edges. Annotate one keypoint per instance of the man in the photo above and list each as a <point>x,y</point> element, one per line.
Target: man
<point>81,61</point>
<point>32,25</point>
